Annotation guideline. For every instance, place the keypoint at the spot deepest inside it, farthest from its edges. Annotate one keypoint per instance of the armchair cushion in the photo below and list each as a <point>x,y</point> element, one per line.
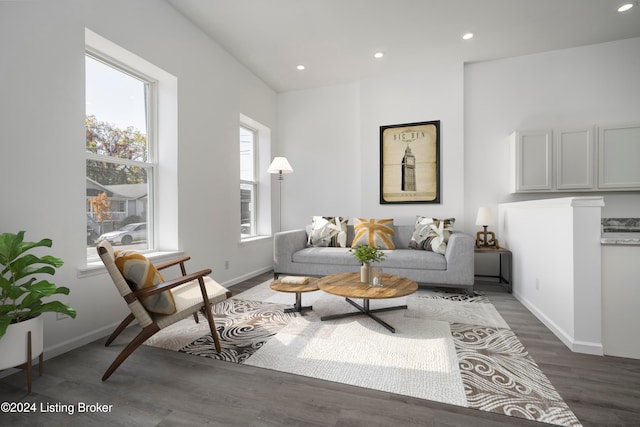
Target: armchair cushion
<point>140,273</point>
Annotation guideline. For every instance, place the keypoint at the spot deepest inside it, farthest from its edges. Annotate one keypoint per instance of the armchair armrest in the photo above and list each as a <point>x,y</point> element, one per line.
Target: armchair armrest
<point>173,262</point>
<point>161,287</point>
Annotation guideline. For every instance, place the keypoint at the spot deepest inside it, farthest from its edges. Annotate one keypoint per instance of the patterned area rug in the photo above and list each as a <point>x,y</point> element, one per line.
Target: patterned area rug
<point>448,347</point>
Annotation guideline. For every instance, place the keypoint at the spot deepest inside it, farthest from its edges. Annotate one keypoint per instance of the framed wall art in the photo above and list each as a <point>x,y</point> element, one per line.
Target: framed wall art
<point>410,163</point>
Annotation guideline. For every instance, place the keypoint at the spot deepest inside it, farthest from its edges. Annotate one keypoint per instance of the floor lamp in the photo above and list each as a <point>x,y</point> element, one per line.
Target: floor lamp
<point>280,165</point>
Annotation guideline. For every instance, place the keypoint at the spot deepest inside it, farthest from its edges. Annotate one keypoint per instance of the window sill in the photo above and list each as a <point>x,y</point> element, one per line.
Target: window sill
<point>254,239</point>
<point>94,267</point>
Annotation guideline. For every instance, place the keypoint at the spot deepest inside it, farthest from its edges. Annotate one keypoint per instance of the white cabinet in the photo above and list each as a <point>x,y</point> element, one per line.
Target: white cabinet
<point>531,161</point>
<point>619,157</point>
<point>574,154</point>
<point>574,160</point>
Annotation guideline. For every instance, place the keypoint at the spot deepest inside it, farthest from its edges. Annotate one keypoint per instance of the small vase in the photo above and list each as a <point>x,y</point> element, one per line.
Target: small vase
<point>364,272</point>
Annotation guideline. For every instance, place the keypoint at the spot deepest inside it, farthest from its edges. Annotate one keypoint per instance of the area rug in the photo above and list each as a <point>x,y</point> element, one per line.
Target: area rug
<point>448,347</point>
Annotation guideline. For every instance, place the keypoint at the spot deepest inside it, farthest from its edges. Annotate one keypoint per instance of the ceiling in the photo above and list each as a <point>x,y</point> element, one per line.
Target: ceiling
<point>335,39</point>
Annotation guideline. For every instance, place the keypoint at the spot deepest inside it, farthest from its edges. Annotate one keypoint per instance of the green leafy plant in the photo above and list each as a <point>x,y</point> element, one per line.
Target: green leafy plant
<point>21,290</point>
<point>367,254</point>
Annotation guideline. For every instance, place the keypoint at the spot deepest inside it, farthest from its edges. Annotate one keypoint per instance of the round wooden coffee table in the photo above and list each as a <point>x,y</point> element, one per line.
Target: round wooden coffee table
<point>310,286</point>
<point>348,285</point>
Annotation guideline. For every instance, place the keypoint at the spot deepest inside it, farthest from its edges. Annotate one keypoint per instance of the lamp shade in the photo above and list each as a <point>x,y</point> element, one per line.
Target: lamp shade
<point>485,217</point>
<point>280,165</point>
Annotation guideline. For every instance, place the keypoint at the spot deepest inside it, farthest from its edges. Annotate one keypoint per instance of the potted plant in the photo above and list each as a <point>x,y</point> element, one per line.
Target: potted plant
<point>21,295</point>
<point>366,255</point>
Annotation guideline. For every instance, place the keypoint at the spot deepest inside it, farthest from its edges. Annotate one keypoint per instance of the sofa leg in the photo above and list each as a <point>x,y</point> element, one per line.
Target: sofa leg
<point>275,276</point>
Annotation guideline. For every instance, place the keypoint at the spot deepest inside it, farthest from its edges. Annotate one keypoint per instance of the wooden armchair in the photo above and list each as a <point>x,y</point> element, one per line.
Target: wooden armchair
<point>191,293</point>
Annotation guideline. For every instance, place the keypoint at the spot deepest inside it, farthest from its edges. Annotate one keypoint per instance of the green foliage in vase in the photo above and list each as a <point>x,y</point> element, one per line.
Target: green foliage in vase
<point>367,254</point>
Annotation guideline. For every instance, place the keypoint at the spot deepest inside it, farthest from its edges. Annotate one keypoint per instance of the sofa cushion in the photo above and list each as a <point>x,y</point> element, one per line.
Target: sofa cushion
<point>373,232</point>
<point>328,231</point>
<point>431,234</point>
<point>327,255</point>
<point>398,258</point>
<point>407,258</point>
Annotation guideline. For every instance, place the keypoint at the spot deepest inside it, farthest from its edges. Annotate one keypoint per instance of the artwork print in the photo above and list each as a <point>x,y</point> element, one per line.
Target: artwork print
<point>410,163</point>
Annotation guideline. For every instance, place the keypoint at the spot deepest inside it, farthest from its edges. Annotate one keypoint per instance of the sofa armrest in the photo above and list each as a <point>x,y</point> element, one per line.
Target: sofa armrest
<point>285,244</point>
<point>460,257</point>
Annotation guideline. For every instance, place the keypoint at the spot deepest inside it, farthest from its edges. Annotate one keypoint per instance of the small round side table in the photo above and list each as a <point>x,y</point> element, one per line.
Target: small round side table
<point>310,286</point>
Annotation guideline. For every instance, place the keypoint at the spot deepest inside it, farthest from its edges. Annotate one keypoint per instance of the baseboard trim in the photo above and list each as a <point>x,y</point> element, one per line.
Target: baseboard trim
<point>583,347</point>
<point>246,276</point>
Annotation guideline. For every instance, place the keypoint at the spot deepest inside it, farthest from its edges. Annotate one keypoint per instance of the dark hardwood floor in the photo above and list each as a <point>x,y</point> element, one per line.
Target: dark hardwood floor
<point>155,387</point>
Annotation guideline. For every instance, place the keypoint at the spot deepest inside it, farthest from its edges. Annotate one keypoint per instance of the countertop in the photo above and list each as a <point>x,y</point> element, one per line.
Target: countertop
<point>620,231</point>
<point>620,239</point>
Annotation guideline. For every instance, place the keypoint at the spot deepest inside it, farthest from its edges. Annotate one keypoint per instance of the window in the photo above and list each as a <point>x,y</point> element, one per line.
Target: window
<point>248,183</point>
<point>120,154</point>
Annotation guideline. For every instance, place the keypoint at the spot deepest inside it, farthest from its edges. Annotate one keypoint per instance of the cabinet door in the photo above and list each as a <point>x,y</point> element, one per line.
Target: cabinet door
<point>619,157</point>
<point>574,159</point>
<point>533,160</point>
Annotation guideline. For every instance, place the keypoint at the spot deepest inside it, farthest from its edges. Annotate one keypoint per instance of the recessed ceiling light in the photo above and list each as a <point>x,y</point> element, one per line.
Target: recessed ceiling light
<point>626,7</point>
<point>467,36</point>
<point>300,67</point>
<point>378,55</point>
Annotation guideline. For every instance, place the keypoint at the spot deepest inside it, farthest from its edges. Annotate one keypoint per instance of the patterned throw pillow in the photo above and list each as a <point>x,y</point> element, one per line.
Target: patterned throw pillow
<point>374,232</point>
<point>140,273</point>
<point>431,234</point>
<point>328,231</point>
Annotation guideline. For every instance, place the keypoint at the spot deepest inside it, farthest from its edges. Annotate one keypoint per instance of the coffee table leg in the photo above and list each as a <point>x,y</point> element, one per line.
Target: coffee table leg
<point>298,308</point>
<point>364,309</point>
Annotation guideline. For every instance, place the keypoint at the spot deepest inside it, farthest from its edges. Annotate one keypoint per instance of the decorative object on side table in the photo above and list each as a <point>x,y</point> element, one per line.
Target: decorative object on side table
<point>485,238</point>
<point>21,306</point>
<point>366,255</point>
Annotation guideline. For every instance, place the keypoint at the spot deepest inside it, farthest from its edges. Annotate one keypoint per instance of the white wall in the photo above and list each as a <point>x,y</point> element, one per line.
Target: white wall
<point>331,137</point>
<point>42,144</point>
<point>583,86</point>
<point>557,270</point>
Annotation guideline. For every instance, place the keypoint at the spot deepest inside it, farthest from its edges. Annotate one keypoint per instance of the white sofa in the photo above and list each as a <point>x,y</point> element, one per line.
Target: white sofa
<point>292,256</point>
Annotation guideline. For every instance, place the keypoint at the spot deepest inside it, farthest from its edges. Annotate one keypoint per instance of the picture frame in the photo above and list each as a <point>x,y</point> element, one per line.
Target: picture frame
<point>410,163</point>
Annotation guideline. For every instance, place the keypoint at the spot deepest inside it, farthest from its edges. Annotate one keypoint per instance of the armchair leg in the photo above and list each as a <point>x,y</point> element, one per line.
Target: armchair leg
<point>207,308</point>
<point>130,348</point>
<point>119,329</point>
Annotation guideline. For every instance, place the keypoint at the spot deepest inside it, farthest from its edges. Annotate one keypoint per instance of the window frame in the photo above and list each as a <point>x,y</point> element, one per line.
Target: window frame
<point>254,183</point>
<point>151,164</point>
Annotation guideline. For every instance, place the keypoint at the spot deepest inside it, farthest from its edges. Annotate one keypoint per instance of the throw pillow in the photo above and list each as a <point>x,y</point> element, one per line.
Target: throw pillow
<point>140,273</point>
<point>328,231</point>
<point>374,232</point>
<point>431,234</point>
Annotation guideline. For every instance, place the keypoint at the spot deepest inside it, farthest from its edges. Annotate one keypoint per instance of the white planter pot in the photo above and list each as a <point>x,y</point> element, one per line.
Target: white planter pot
<point>14,344</point>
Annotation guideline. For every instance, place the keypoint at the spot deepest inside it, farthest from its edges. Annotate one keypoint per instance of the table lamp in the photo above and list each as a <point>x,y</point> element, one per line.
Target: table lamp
<point>485,239</point>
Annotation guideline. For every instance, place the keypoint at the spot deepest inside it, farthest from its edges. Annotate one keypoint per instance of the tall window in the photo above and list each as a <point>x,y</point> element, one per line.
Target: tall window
<point>120,154</point>
<point>248,183</point>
